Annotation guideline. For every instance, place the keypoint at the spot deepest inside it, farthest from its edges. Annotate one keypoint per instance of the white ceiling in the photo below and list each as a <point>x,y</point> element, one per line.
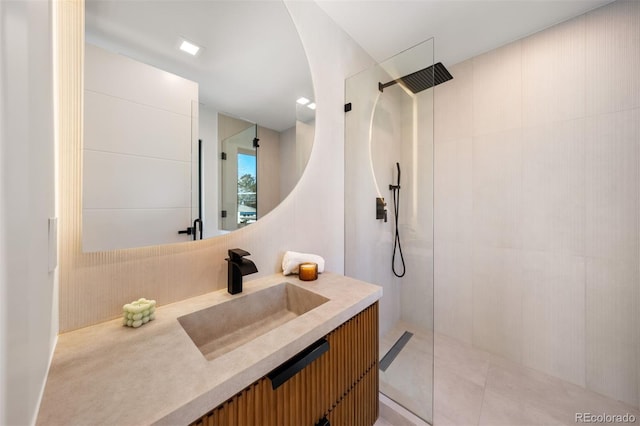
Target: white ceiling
<point>461,28</point>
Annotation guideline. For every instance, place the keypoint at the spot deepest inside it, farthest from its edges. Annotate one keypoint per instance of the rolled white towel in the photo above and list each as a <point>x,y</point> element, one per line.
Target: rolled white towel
<point>292,260</point>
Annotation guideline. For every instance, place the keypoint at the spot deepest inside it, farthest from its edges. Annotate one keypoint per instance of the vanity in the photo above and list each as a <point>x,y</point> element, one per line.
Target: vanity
<point>283,352</point>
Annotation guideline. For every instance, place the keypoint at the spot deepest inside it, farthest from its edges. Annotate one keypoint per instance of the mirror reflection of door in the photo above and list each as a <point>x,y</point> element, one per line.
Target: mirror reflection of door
<point>247,187</point>
<point>238,177</point>
<point>136,153</point>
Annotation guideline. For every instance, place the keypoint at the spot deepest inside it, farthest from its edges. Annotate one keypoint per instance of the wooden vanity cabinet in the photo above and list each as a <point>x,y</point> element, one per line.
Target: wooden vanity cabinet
<point>340,386</point>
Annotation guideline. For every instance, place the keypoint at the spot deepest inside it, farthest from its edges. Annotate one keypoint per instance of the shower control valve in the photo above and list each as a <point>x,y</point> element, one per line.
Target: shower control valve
<point>381,212</point>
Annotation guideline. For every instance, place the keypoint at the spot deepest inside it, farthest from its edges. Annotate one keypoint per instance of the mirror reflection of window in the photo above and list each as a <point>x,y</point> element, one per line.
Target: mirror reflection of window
<point>247,188</point>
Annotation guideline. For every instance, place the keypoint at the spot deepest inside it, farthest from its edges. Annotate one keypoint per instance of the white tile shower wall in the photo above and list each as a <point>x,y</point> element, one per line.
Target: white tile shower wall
<point>497,90</point>
<point>611,163</point>
<point>93,286</point>
<point>549,128</point>
<point>453,201</point>
<point>497,300</point>
<point>612,60</point>
<point>497,189</point>
<point>611,333</point>
<point>416,209</point>
<point>553,74</point>
<point>553,187</point>
<point>553,313</point>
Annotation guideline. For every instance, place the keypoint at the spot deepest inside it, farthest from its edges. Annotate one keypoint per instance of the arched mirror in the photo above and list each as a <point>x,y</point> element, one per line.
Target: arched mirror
<point>199,118</point>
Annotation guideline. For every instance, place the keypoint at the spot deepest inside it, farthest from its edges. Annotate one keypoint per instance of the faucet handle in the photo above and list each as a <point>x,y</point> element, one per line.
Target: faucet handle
<point>237,254</point>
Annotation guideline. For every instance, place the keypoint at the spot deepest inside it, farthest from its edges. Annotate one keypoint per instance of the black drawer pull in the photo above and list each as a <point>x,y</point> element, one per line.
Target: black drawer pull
<point>323,422</point>
<point>291,367</point>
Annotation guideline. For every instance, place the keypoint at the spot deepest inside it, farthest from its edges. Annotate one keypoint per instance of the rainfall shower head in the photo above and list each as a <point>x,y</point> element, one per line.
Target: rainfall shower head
<point>421,80</point>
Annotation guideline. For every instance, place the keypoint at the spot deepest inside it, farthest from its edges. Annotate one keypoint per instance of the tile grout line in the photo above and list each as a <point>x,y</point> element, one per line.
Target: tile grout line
<point>522,167</point>
<point>584,186</point>
<point>484,393</point>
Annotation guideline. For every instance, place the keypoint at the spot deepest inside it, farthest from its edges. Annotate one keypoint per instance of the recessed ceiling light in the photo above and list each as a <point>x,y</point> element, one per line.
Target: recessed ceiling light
<point>312,105</point>
<point>189,47</point>
<point>303,101</point>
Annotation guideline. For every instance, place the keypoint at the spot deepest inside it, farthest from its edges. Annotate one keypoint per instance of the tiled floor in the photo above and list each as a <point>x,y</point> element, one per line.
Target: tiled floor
<point>408,379</point>
<point>473,387</point>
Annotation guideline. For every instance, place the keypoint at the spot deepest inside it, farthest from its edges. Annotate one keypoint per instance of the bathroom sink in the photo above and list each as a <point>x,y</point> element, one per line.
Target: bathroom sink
<point>222,328</point>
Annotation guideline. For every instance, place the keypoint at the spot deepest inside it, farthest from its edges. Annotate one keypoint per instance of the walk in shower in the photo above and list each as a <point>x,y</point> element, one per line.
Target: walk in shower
<point>389,157</point>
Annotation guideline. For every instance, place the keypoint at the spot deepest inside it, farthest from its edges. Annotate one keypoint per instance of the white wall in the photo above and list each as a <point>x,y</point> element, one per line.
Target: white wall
<point>537,201</point>
<point>289,172</point>
<point>4,291</point>
<point>304,144</point>
<point>138,139</point>
<point>28,313</point>
<point>269,168</point>
<point>208,131</point>
<point>319,196</point>
<point>296,143</point>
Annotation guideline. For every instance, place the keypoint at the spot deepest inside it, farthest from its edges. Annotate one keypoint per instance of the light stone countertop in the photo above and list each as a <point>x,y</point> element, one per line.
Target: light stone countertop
<point>109,374</point>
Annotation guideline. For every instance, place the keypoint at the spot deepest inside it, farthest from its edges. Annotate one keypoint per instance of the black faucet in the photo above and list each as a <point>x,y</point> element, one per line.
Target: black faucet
<point>237,268</point>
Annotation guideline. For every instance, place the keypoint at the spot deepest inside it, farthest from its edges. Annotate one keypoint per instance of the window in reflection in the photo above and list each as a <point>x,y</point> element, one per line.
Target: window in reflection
<point>247,188</point>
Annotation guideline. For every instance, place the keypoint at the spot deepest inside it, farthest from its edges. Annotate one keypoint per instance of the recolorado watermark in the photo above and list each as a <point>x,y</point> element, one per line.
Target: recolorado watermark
<point>605,418</point>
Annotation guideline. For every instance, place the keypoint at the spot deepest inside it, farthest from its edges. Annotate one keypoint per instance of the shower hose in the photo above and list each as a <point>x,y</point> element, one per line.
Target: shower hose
<point>397,246</point>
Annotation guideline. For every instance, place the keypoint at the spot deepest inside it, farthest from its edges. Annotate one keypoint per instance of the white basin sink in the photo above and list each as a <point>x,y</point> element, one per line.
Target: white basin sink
<point>222,328</point>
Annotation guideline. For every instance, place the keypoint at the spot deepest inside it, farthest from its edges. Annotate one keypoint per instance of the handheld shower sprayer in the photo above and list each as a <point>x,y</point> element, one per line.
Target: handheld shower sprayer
<point>397,247</point>
<point>394,187</point>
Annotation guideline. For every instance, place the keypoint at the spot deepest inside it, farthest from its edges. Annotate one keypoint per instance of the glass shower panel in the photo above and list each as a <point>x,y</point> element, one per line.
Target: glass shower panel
<point>389,165</point>
<point>238,177</point>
